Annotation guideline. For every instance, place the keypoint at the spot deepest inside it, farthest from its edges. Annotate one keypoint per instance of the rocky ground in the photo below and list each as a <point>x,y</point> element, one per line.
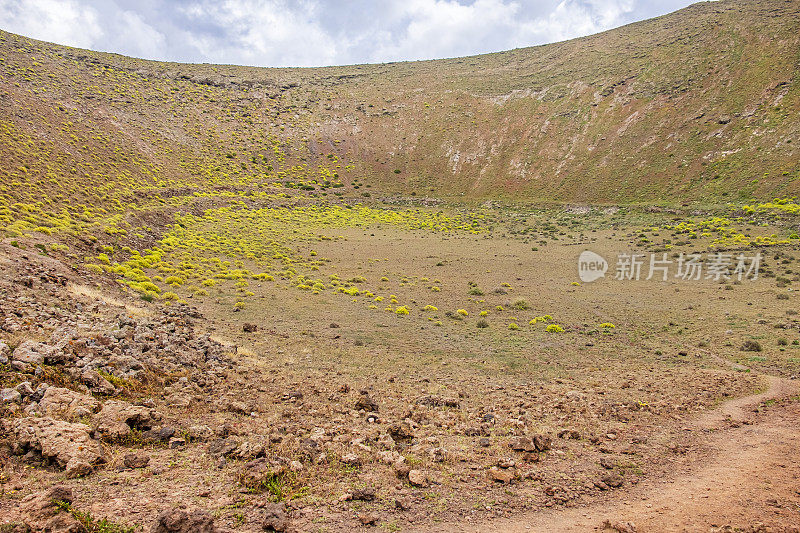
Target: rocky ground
<point>746,480</point>
<point>281,349</point>
<point>86,375</point>
<point>128,416</point>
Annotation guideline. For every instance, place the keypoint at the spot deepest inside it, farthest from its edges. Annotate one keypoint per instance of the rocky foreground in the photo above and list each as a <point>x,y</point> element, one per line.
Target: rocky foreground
<point>123,415</point>
<point>84,394</point>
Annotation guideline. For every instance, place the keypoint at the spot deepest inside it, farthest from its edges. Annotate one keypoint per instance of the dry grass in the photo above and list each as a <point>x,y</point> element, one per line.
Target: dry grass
<point>98,295</point>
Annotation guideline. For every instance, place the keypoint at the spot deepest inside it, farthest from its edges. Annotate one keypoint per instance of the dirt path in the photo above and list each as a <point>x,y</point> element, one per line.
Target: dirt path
<point>751,477</point>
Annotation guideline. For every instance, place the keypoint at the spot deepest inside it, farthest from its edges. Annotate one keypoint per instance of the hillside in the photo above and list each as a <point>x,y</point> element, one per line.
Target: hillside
<point>697,105</point>
<point>549,289</point>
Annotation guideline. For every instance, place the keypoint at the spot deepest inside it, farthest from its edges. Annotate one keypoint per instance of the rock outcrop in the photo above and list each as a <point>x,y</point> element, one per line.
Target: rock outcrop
<point>66,444</point>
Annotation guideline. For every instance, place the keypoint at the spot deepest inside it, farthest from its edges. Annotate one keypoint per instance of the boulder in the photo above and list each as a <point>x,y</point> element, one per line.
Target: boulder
<point>78,468</point>
<point>390,457</point>
<point>179,399</point>
<point>386,441</point>
<point>369,519</point>
<point>402,469</point>
<point>25,389</point>
<point>256,474</point>
<point>20,366</point>
<point>607,463</point>
<point>630,527</point>
<point>58,356</point>
<point>239,407</point>
<point>418,478</point>
<point>32,353</point>
<point>58,402</point>
<point>5,353</point>
<point>366,494</point>
<point>569,434</point>
<point>438,401</point>
<point>10,396</point>
<point>160,434</point>
<point>117,419</point>
<point>125,365</point>
<point>38,394</point>
<point>41,513</point>
<point>67,444</point>
<point>438,455</point>
<point>522,444</point>
<point>400,432</point>
<point>200,432</point>
<point>40,505</point>
<point>97,383</point>
<point>542,442</point>
<point>223,447</point>
<point>366,403</point>
<point>275,517</point>
<point>500,475</point>
<point>184,521</point>
<point>351,459</point>
<point>250,450</point>
<point>136,460</point>
<point>612,479</point>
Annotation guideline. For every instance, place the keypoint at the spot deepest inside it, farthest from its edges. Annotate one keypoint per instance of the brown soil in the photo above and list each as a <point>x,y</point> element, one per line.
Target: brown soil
<point>747,482</point>
<point>664,402</point>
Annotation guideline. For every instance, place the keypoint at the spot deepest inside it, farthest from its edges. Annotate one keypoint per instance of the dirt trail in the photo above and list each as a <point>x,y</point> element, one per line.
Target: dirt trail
<point>751,476</point>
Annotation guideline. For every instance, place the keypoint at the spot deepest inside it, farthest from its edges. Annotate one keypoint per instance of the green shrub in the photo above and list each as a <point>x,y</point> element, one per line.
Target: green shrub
<point>90,524</point>
<point>751,345</point>
<point>519,304</point>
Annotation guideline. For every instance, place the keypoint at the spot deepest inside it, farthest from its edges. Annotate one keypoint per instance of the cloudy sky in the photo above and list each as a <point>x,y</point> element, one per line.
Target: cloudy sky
<point>316,32</point>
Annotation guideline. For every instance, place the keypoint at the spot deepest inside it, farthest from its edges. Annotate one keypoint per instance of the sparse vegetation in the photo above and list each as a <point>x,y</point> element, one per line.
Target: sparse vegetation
<point>91,524</point>
<point>200,239</point>
<point>751,345</point>
<point>520,305</point>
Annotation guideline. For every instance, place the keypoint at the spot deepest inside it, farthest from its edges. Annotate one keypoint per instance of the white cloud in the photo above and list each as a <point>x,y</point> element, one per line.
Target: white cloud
<point>137,38</point>
<point>316,32</point>
<point>65,22</point>
<point>573,18</point>
<point>263,32</point>
<point>611,13</point>
<point>445,28</point>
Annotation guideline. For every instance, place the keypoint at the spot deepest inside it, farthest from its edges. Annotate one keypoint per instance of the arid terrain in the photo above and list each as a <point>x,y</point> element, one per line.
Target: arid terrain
<point>346,412</point>
<point>238,299</point>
